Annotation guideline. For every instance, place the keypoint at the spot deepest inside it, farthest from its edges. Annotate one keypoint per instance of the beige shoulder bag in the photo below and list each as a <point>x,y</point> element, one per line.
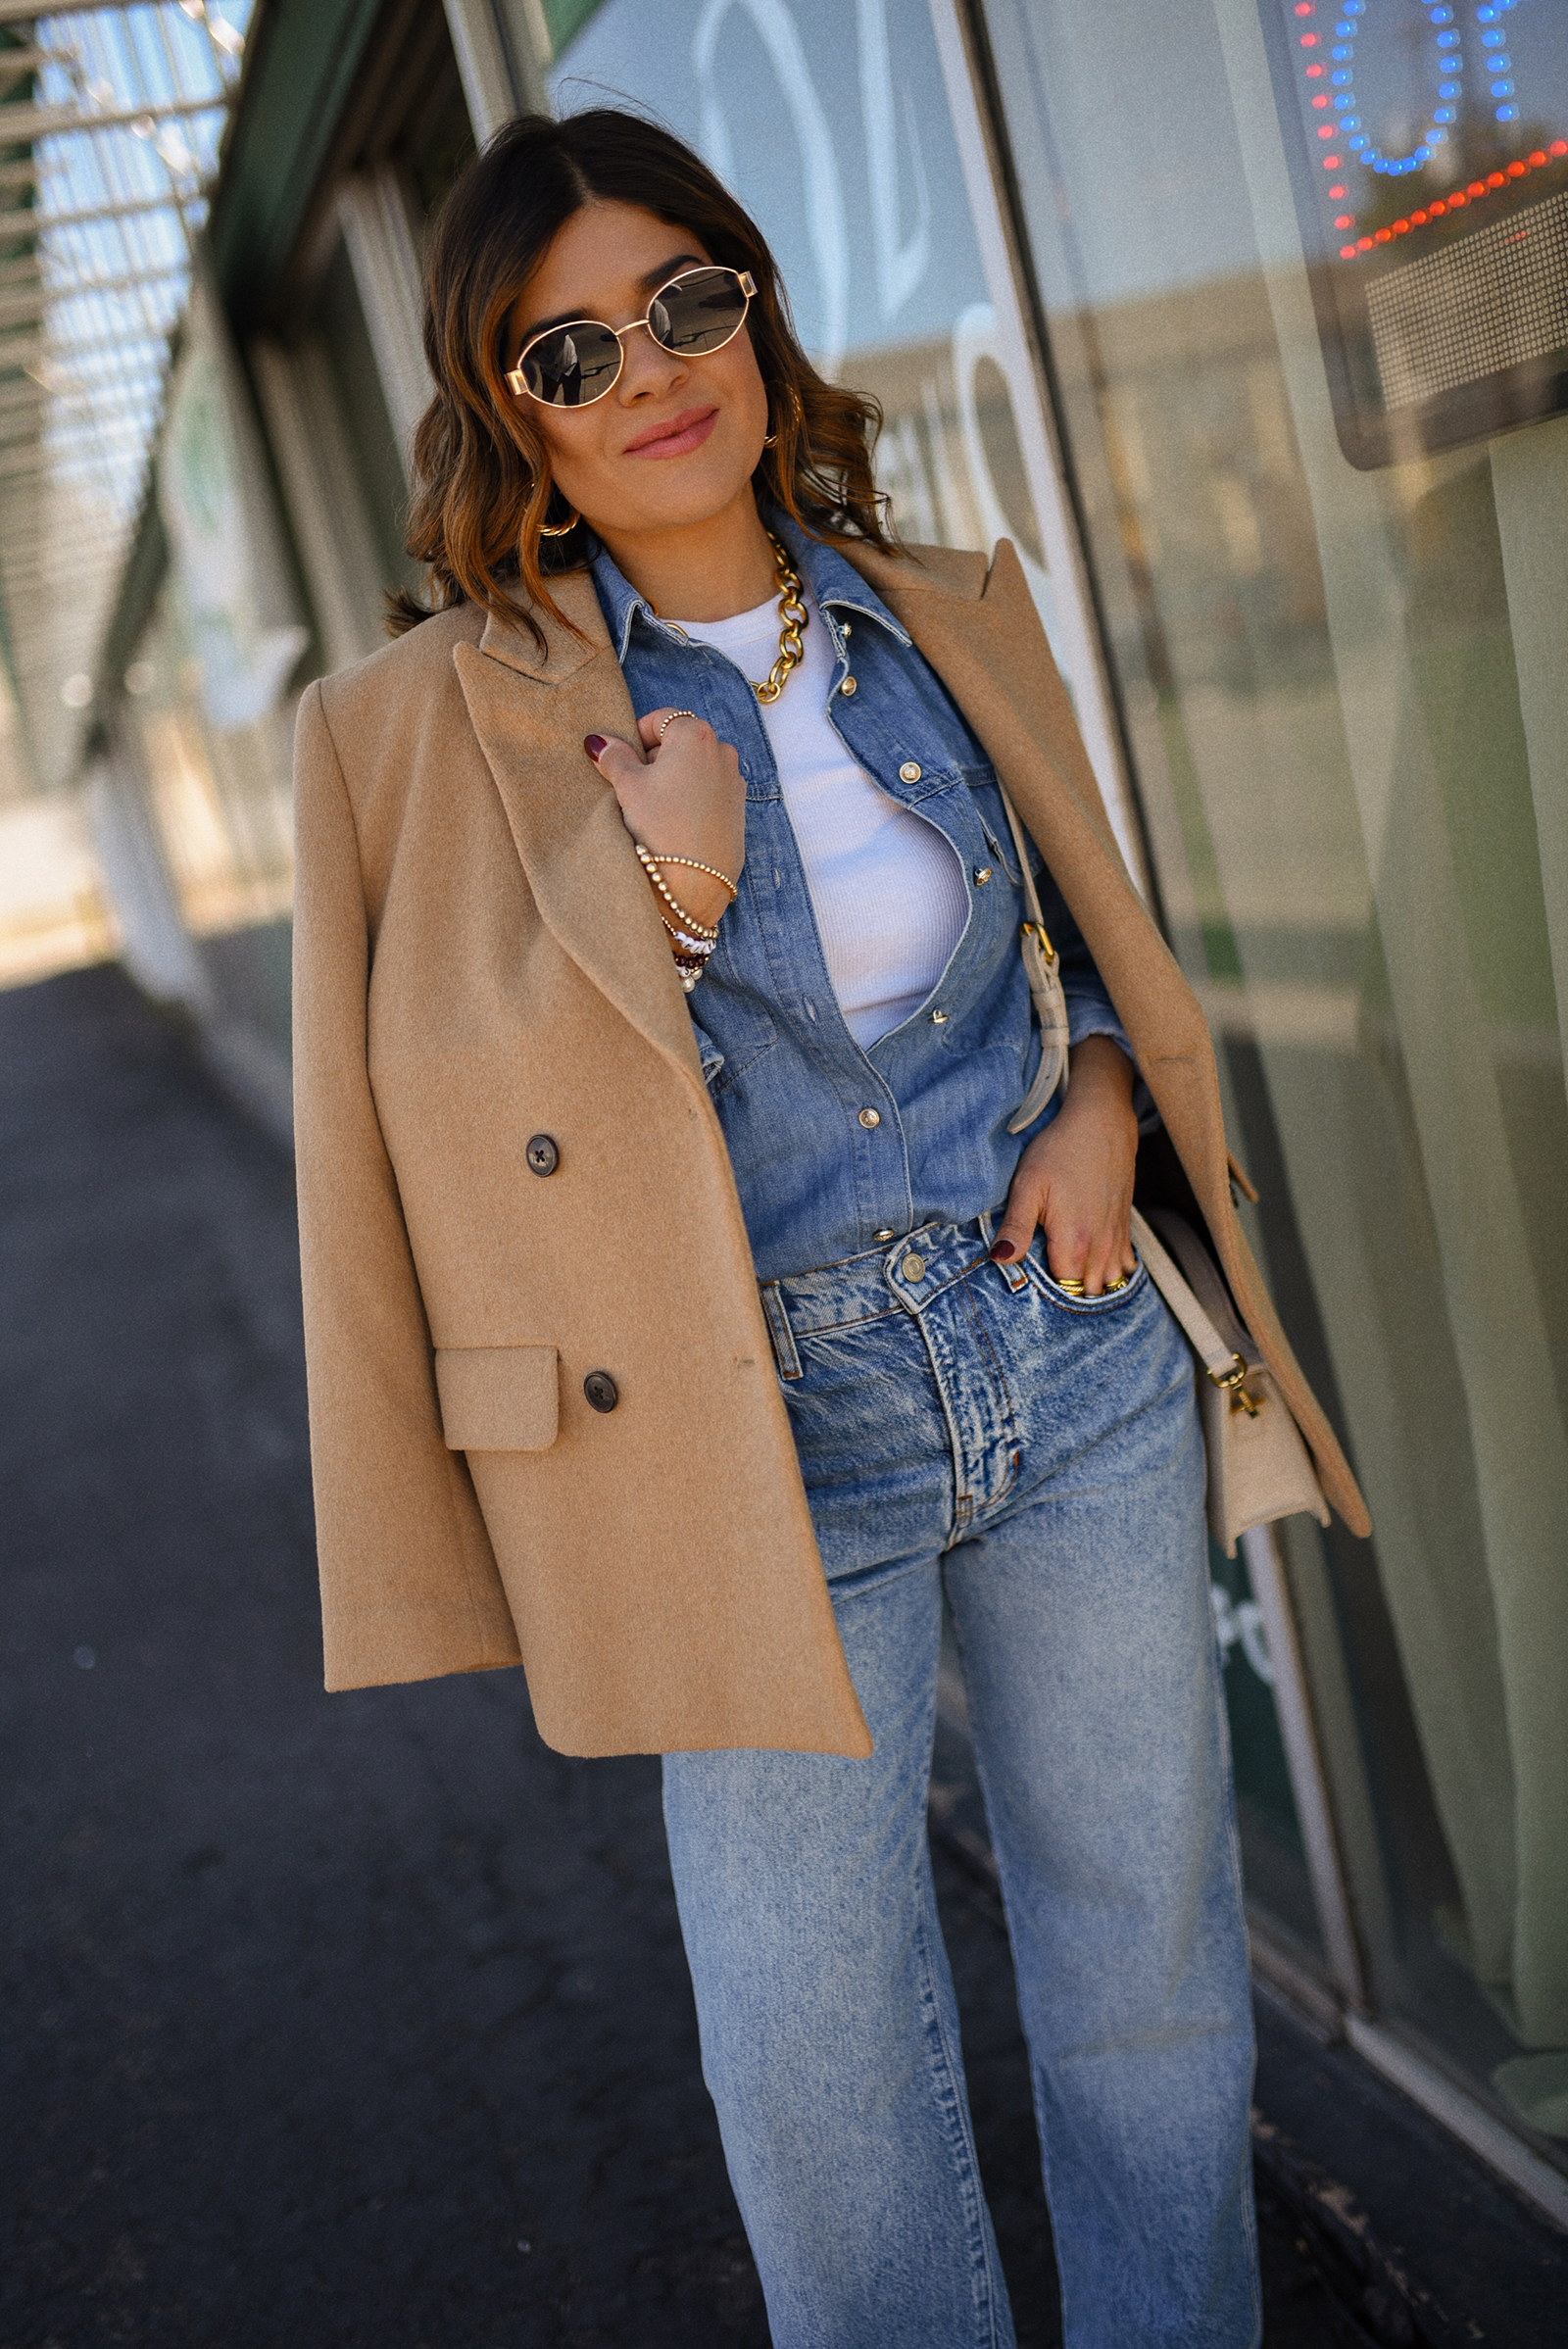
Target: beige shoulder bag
<point>1258,1466</point>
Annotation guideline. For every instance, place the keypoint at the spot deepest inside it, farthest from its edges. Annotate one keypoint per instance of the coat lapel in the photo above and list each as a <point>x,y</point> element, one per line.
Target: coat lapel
<point>530,711</point>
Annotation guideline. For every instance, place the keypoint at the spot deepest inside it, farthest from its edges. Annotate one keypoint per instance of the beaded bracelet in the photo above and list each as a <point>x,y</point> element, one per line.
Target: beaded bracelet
<point>688,920</point>
<point>700,947</point>
<point>698,866</point>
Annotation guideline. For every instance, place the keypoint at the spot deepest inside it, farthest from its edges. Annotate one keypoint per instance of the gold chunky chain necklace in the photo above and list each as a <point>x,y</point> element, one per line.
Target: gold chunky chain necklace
<point>793,618</point>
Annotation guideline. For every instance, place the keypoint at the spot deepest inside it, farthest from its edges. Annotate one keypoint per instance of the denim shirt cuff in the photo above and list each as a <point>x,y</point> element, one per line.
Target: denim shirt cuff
<point>711,1058</point>
<point>1092,1015</point>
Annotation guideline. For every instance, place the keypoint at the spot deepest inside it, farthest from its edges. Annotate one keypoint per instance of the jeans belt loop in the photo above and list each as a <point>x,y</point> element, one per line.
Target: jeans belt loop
<point>779,1331</point>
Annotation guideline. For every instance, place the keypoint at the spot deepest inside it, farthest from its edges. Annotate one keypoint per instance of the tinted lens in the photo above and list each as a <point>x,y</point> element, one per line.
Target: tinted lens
<point>571,364</point>
<point>697,313</point>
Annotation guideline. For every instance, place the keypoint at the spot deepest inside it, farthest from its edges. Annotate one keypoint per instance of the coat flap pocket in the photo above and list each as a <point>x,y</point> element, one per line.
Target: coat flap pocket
<point>498,1397</point>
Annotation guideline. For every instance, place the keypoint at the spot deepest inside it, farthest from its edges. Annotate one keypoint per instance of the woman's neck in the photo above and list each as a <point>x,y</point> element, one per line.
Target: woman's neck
<point>705,571</point>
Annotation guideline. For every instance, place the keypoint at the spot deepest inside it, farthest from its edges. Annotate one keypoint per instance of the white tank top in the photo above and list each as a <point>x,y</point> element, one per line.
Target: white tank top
<point>887,888</point>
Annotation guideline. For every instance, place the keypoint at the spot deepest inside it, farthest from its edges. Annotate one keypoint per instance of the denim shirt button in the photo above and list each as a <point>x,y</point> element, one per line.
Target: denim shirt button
<point>870,1117</point>
<point>939,1019</point>
<point>982,875</point>
<point>885,1233</point>
<point>910,771</point>
<point>848,687</point>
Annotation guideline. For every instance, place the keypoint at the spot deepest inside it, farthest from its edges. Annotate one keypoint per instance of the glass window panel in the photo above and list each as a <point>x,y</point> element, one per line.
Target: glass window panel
<point>1346,727</point>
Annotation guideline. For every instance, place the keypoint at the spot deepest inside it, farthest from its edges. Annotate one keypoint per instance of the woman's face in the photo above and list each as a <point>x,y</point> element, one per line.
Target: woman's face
<point>676,441</point>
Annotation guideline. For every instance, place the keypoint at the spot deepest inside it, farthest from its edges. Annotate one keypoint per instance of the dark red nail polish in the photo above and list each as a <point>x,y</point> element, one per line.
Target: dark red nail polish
<point>596,746</point>
<point>1002,1251</point>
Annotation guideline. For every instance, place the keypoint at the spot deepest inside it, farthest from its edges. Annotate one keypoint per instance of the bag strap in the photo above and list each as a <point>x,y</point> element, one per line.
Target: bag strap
<point>1031,895</point>
<point>1225,1364</point>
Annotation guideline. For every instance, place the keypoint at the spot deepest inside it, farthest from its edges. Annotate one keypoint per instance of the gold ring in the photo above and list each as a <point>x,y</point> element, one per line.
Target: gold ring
<point>1073,1287</point>
<point>670,720</point>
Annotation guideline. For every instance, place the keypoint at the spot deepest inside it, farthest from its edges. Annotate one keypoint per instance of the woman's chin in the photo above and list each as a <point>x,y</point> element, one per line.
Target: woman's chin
<point>676,505</point>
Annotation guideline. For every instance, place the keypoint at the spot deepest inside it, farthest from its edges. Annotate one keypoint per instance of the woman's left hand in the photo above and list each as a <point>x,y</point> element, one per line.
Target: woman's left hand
<point>1076,1178</point>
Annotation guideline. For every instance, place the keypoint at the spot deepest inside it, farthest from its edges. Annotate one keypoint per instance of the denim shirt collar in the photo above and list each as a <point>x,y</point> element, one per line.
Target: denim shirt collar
<point>835,586</point>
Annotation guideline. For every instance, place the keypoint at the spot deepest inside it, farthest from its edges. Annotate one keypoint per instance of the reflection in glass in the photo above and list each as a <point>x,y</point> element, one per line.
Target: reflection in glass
<point>1333,685</point>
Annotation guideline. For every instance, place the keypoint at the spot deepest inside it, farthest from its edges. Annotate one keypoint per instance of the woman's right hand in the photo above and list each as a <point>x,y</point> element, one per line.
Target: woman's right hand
<point>680,797</point>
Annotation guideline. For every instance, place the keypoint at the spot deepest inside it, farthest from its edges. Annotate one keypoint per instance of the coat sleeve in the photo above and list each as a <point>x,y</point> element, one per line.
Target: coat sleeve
<point>410,1588</point>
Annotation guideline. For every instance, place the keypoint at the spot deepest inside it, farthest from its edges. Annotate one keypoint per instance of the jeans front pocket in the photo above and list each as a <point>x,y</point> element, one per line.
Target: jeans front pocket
<point>1109,1301</point>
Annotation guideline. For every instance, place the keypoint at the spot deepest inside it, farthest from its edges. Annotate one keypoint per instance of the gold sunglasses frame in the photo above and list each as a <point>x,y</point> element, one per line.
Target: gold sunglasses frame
<point>520,389</point>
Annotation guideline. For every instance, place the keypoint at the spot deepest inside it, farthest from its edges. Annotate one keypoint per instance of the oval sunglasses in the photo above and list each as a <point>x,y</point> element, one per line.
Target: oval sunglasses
<point>572,365</point>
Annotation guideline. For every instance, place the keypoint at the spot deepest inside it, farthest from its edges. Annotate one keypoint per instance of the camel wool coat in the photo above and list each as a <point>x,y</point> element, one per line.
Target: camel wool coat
<point>479,963</point>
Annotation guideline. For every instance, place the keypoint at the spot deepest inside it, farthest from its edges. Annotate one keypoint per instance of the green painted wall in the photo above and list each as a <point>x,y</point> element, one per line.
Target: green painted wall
<point>309,53</point>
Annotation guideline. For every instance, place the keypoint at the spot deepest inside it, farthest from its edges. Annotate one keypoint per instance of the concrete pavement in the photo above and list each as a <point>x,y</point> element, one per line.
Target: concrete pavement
<point>341,2020</point>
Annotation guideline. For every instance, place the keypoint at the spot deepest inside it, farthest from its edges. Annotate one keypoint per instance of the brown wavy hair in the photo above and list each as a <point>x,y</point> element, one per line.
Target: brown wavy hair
<point>482,487</point>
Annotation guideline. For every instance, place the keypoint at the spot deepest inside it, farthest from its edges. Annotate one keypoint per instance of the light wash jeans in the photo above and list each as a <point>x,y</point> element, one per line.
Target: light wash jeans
<point>967,1426</point>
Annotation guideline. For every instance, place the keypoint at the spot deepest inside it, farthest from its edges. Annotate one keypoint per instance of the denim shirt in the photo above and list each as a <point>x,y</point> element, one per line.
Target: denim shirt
<point>837,1149</point>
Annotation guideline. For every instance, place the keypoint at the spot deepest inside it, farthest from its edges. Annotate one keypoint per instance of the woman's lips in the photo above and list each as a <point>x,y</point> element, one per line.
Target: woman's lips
<point>683,432</point>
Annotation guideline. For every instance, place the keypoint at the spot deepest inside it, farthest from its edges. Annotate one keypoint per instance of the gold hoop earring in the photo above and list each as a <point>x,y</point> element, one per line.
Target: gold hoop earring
<point>559,530</point>
<point>771,440</point>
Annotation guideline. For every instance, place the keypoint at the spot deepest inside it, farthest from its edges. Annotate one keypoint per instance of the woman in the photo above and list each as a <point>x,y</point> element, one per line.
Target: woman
<point>684,1317</point>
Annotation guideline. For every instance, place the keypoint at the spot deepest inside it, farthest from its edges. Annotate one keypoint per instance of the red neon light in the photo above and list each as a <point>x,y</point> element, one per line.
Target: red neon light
<point>1436,210</point>
<point>1519,169</point>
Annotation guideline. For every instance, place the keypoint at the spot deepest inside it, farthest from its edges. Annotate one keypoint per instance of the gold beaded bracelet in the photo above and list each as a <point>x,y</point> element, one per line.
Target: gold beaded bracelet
<point>687,920</point>
<point>698,866</point>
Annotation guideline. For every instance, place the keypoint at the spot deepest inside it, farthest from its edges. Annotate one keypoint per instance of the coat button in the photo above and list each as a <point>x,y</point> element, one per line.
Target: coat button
<point>913,1267</point>
<point>848,687</point>
<point>870,1117</point>
<point>601,1390</point>
<point>909,773</point>
<point>542,1155</point>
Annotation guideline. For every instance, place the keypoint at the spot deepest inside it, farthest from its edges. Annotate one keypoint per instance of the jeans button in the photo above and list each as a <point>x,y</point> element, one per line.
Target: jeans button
<point>913,1267</point>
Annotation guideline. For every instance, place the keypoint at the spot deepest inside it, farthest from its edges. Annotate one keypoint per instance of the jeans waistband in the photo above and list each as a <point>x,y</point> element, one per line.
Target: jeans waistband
<point>905,1277</point>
